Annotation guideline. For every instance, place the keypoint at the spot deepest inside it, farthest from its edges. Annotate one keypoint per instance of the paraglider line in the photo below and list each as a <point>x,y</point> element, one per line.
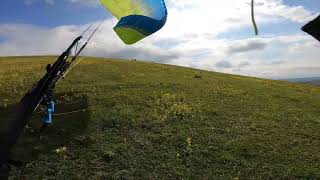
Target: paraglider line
<point>256,31</point>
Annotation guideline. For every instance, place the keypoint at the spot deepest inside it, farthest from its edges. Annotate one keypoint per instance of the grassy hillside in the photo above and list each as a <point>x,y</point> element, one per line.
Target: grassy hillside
<point>135,119</point>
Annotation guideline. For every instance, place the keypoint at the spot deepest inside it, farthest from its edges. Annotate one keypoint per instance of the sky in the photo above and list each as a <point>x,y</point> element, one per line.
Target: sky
<point>212,35</point>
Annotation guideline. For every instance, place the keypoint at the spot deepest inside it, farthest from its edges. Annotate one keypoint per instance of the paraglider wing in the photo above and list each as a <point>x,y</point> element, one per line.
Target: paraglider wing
<point>313,28</point>
<point>137,18</point>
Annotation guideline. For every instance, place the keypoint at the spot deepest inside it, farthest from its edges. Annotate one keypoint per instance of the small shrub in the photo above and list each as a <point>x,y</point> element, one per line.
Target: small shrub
<point>198,76</point>
<point>62,152</point>
<point>182,110</point>
<point>107,155</point>
<point>189,145</point>
<point>171,106</point>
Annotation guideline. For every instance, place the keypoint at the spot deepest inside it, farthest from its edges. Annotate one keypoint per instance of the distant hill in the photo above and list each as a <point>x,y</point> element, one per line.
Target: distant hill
<point>310,80</point>
<point>119,119</point>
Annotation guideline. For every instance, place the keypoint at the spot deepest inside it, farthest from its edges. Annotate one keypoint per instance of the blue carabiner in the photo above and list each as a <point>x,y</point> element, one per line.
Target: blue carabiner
<point>50,110</point>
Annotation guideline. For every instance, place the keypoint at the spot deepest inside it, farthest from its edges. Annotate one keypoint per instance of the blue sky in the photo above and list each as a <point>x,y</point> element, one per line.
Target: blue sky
<point>206,34</point>
<point>44,14</point>
<point>309,4</point>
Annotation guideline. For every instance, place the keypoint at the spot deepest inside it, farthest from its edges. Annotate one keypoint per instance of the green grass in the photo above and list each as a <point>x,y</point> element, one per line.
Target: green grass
<point>152,121</point>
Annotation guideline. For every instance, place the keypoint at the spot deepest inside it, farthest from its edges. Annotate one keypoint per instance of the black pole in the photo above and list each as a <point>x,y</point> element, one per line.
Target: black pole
<point>10,131</point>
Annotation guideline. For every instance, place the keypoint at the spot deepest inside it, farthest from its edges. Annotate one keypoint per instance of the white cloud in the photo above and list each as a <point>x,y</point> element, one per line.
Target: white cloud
<point>190,38</point>
<point>211,17</point>
<point>223,64</point>
<point>245,46</point>
<point>30,40</point>
<point>85,2</point>
<point>30,2</point>
<point>50,2</point>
